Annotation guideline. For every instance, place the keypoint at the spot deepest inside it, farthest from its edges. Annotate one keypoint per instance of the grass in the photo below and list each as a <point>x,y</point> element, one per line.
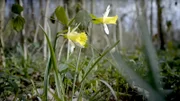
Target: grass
<point>14,83</point>
<point>89,74</point>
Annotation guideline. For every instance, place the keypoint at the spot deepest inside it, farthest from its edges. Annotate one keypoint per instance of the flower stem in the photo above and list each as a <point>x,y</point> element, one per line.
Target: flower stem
<point>76,73</point>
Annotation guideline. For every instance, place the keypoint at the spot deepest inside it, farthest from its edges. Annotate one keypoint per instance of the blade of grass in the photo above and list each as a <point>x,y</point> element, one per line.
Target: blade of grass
<point>150,54</point>
<point>100,96</point>
<point>59,84</point>
<point>46,78</point>
<point>75,76</point>
<point>91,99</point>
<point>110,88</point>
<point>48,67</point>
<point>132,77</point>
<point>98,59</point>
<point>82,84</point>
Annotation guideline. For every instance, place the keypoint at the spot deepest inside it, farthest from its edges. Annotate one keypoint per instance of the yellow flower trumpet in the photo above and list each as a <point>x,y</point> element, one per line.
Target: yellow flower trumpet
<point>105,19</point>
<point>79,39</point>
<point>75,38</point>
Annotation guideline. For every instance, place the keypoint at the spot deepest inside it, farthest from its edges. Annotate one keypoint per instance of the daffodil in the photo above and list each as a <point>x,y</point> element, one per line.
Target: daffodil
<point>79,39</point>
<point>105,19</point>
<point>76,38</point>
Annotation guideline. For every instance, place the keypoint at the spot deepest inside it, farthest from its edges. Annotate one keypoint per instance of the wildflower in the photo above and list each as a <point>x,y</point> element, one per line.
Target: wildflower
<point>105,19</point>
<point>76,38</point>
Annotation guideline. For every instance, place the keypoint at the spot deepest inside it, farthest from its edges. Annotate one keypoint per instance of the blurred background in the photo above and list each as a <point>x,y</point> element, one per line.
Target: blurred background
<point>24,50</point>
<point>125,30</point>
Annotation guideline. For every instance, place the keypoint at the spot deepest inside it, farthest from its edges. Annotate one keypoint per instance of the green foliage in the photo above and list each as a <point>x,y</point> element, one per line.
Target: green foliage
<point>58,80</point>
<point>15,81</point>
<point>92,88</point>
<point>83,18</point>
<point>61,15</point>
<point>18,23</point>
<point>170,71</point>
<point>8,83</point>
<point>153,85</point>
<point>9,27</point>
<point>93,76</point>
<point>17,9</point>
<point>111,89</point>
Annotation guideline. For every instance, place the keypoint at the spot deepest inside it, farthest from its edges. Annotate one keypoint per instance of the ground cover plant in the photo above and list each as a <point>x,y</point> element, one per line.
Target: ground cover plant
<point>76,71</point>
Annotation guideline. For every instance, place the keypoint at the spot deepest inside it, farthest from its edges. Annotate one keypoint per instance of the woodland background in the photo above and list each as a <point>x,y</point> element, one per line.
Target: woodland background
<point>25,54</point>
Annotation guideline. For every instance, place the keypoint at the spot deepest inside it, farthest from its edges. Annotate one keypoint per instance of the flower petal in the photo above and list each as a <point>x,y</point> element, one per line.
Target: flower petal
<point>107,11</point>
<point>106,29</point>
<point>71,46</point>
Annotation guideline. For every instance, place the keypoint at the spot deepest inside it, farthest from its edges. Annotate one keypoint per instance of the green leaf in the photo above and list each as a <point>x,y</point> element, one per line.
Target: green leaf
<point>150,53</point>
<point>133,78</point>
<point>98,59</point>
<point>16,8</point>
<point>14,86</point>
<point>63,68</point>
<point>18,23</point>
<point>61,15</point>
<point>58,80</point>
<point>71,21</point>
<point>111,89</point>
<point>83,18</point>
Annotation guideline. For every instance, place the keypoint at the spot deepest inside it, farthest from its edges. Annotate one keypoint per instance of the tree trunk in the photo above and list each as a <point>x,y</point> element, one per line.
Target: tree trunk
<point>2,56</point>
<point>151,19</point>
<point>45,27</point>
<point>159,24</point>
<point>37,22</point>
<point>69,7</point>
<point>91,29</point>
<point>32,14</point>
<point>23,36</point>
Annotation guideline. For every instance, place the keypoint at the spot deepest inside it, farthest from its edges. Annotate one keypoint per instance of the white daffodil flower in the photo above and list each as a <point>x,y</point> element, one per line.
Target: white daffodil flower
<point>105,19</point>
<point>75,38</point>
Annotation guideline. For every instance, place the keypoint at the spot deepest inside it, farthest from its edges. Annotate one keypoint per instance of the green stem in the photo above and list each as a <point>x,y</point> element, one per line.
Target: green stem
<point>68,51</point>
<point>76,73</point>
<point>58,80</point>
<point>46,76</point>
<point>98,60</point>
<point>60,51</point>
<point>91,99</point>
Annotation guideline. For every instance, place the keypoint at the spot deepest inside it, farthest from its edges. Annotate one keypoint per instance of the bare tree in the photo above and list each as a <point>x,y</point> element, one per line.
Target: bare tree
<point>45,26</point>
<point>159,24</point>
<point>69,7</point>
<point>23,36</point>
<point>32,14</point>
<point>36,23</point>
<point>2,56</point>
<point>91,30</point>
<point>151,18</point>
